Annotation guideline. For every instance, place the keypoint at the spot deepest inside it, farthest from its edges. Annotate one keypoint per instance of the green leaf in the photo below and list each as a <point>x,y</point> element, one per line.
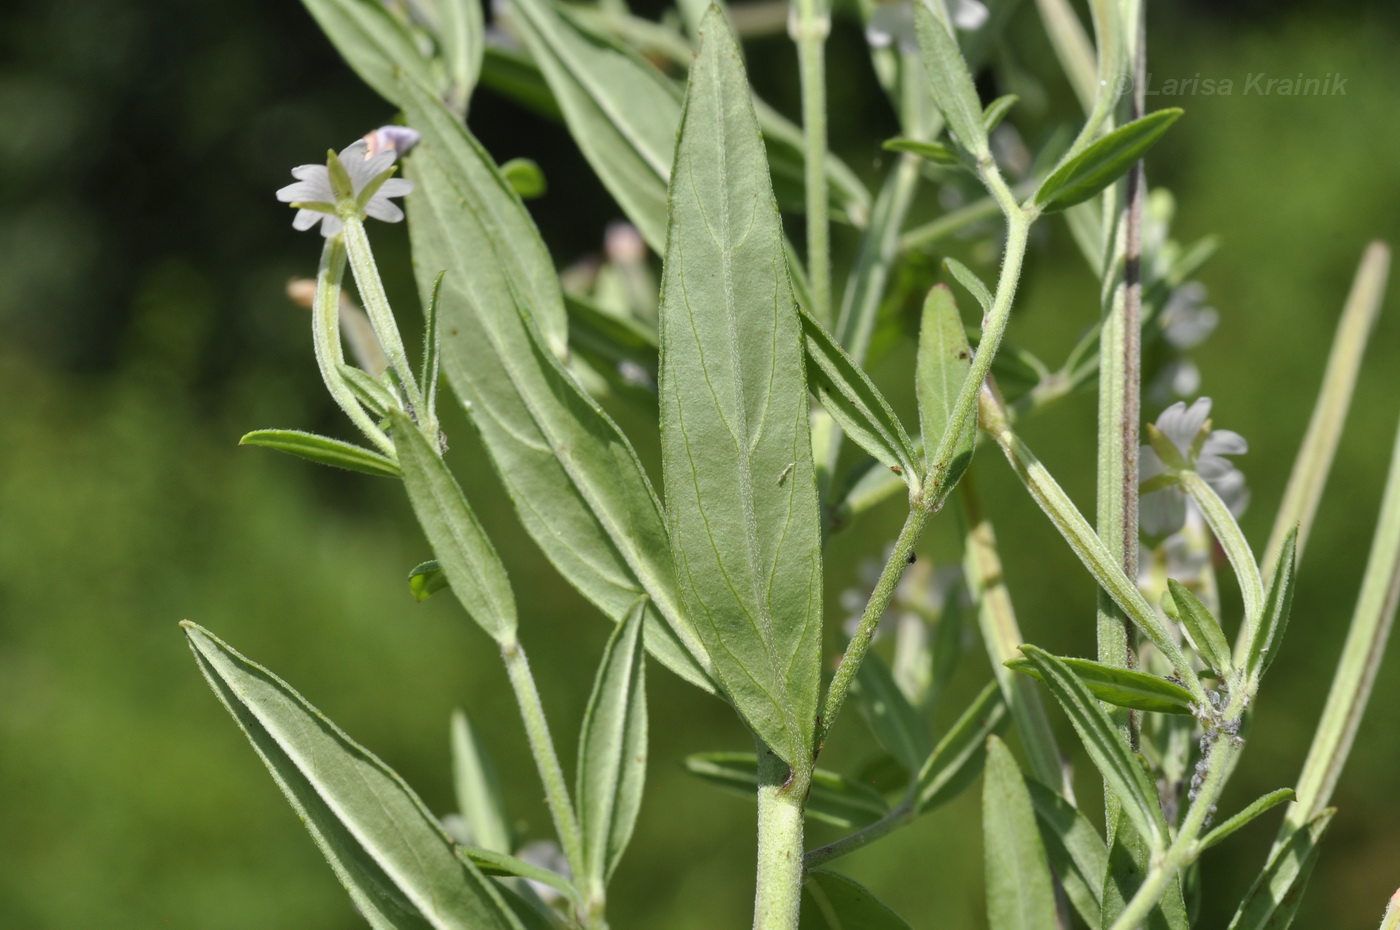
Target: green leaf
<point>1202,627</point>
<point>574,479</point>
<point>374,44</point>
<point>996,110</point>
<point>1248,815</point>
<point>895,722</point>
<point>377,398</point>
<point>464,553</point>
<point>855,402</point>
<point>968,279</point>
<point>1120,686</point>
<point>1273,900</point>
<point>936,152</point>
<point>612,756</point>
<point>958,757</point>
<point>835,799</point>
<point>787,160</point>
<point>1277,604</point>
<point>1111,756</point>
<point>1074,848</point>
<point>943,363</point>
<point>323,450</point>
<point>831,901</point>
<point>741,497</point>
<point>525,178</point>
<point>1103,161</point>
<point>478,790</point>
<point>495,863</point>
<point>425,580</point>
<point>386,849</point>
<point>462,34</point>
<point>1020,891</point>
<point>951,82</point>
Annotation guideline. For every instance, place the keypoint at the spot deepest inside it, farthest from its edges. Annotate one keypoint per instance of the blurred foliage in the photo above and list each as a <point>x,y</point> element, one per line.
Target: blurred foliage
<point>143,328</point>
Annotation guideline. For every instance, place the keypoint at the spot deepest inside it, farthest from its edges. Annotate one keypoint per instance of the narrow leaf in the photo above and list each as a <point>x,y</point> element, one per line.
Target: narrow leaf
<point>323,450</point>
<point>951,82</point>
<point>855,402</point>
<point>1245,817</point>
<point>1277,605</point>
<point>968,279</point>
<point>1120,686</point>
<point>1274,898</point>
<point>495,863</point>
<point>741,494</point>
<point>1202,627</point>
<point>936,152</point>
<point>831,901</point>
<point>1020,892</point>
<point>835,799</point>
<point>1111,756</point>
<point>384,846</point>
<point>425,580</point>
<point>575,481</point>
<point>478,790</point>
<point>895,722</point>
<point>464,553</point>
<point>374,44</point>
<point>377,398</point>
<point>1103,161</point>
<point>1074,848</point>
<point>462,33</point>
<point>958,757</point>
<point>996,111</point>
<point>943,363</point>
<point>612,758</point>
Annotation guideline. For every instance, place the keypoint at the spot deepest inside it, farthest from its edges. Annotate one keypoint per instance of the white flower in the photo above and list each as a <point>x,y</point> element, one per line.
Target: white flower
<point>1185,441</point>
<point>313,187</point>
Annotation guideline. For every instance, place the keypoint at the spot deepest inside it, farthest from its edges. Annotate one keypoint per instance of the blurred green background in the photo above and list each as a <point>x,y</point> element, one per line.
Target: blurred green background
<point>143,328</point>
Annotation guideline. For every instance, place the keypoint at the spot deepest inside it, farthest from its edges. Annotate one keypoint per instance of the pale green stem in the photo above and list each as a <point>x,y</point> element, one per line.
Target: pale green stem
<point>376,304</point>
<point>1319,446</point>
<point>1227,531</point>
<point>810,26</point>
<point>556,787</point>
<point>1085,543</point>
<point>781,798</point>
<point>1356,671</point>
<point>1002,636</point>
<point>325,338</point>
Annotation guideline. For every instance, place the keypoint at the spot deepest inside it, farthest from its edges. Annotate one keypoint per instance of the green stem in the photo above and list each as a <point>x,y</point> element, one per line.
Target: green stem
<point>781,797</point>
<point>325,337</point>
<point>556,788</point>
<point>810,27</point>
<point>1356,671</point>
<point>376,304</point>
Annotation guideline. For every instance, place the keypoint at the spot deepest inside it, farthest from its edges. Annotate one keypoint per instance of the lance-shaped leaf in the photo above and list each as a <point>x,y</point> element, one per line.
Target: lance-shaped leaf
<point>1101,739</point>
<point>1274,898</point>
<point>477,788</point>
<point>835,799</point>
<point>612,755</point>
<point>855,402</point>
<point>574,479</point>
<point>958,757</point>
<point>1020,891</point>
<point>1202,627</point>
<point>1074,848</point>
<point>374,44</point>
<point>895,722</point>
<point>936,152</point>
<point>951,82</point>
<point>1120,686</point>
<point>996,110</point>
<point>1103,161</point>
<point>323,450</point>
<point>384,846</point>
<point>1248,815</point>
<point>943,363</point>
<point>741,496</point>
<point>462,32</point>
<point>831,901</point>
<point>968,279</point>
<point>464,553</point>
<point>1277,605</point>
<point>501,864</point>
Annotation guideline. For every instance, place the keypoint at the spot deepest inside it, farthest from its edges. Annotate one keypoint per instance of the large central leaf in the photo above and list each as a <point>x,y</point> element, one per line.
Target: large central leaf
<point>741,498</point>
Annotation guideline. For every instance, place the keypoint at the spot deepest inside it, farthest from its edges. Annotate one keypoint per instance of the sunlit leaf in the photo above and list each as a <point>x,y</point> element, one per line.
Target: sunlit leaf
<point>943,363</point>
<point>1202,627</point>
<point>1020,891</point>
<point>1273,900</point>
<point>951,82</point>
<point>323,450</point>
<point>1120,686</point>
<point>1247,816</point>
<point>1103,161</point>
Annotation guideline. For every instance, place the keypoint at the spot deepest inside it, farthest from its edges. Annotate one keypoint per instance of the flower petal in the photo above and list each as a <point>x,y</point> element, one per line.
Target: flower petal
<point>1224,442</point>
<point>1181,423</point>
<point>1213,467</point>
<point>382,209</point>
<point>396,187</point>
<point>305,219</point>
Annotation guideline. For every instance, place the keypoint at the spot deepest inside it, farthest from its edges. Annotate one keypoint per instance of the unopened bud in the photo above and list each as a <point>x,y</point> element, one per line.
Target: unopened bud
<point>399,138</point>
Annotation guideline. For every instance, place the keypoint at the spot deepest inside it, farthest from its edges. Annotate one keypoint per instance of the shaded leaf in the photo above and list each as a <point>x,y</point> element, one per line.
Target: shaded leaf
<point>491,862</point>
<point>1103,161</point>
<point>831,901</point>
<point>968,279</point>
<point>1259,806</point>
<point>478,791</point>
<point>390,853</point>
<point>958,757</point>
<point>1020,891</point>
<point>323,450</point>
<point>1120,686</point>
<point>895,722</point>
<point>425,580</point>
<point>1074,848</point>
<point>835,799</point>
<point>1277,605</point>
<point>374,44</point>
<point>936,152</point>
<point>997,109</point>
<point>943,363</point>
<point>1273,900</point>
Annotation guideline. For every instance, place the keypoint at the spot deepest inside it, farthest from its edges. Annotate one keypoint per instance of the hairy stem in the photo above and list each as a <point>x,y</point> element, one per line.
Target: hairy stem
<point>809,26</point>
<point>376,304</point>
<point>782,796</point>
